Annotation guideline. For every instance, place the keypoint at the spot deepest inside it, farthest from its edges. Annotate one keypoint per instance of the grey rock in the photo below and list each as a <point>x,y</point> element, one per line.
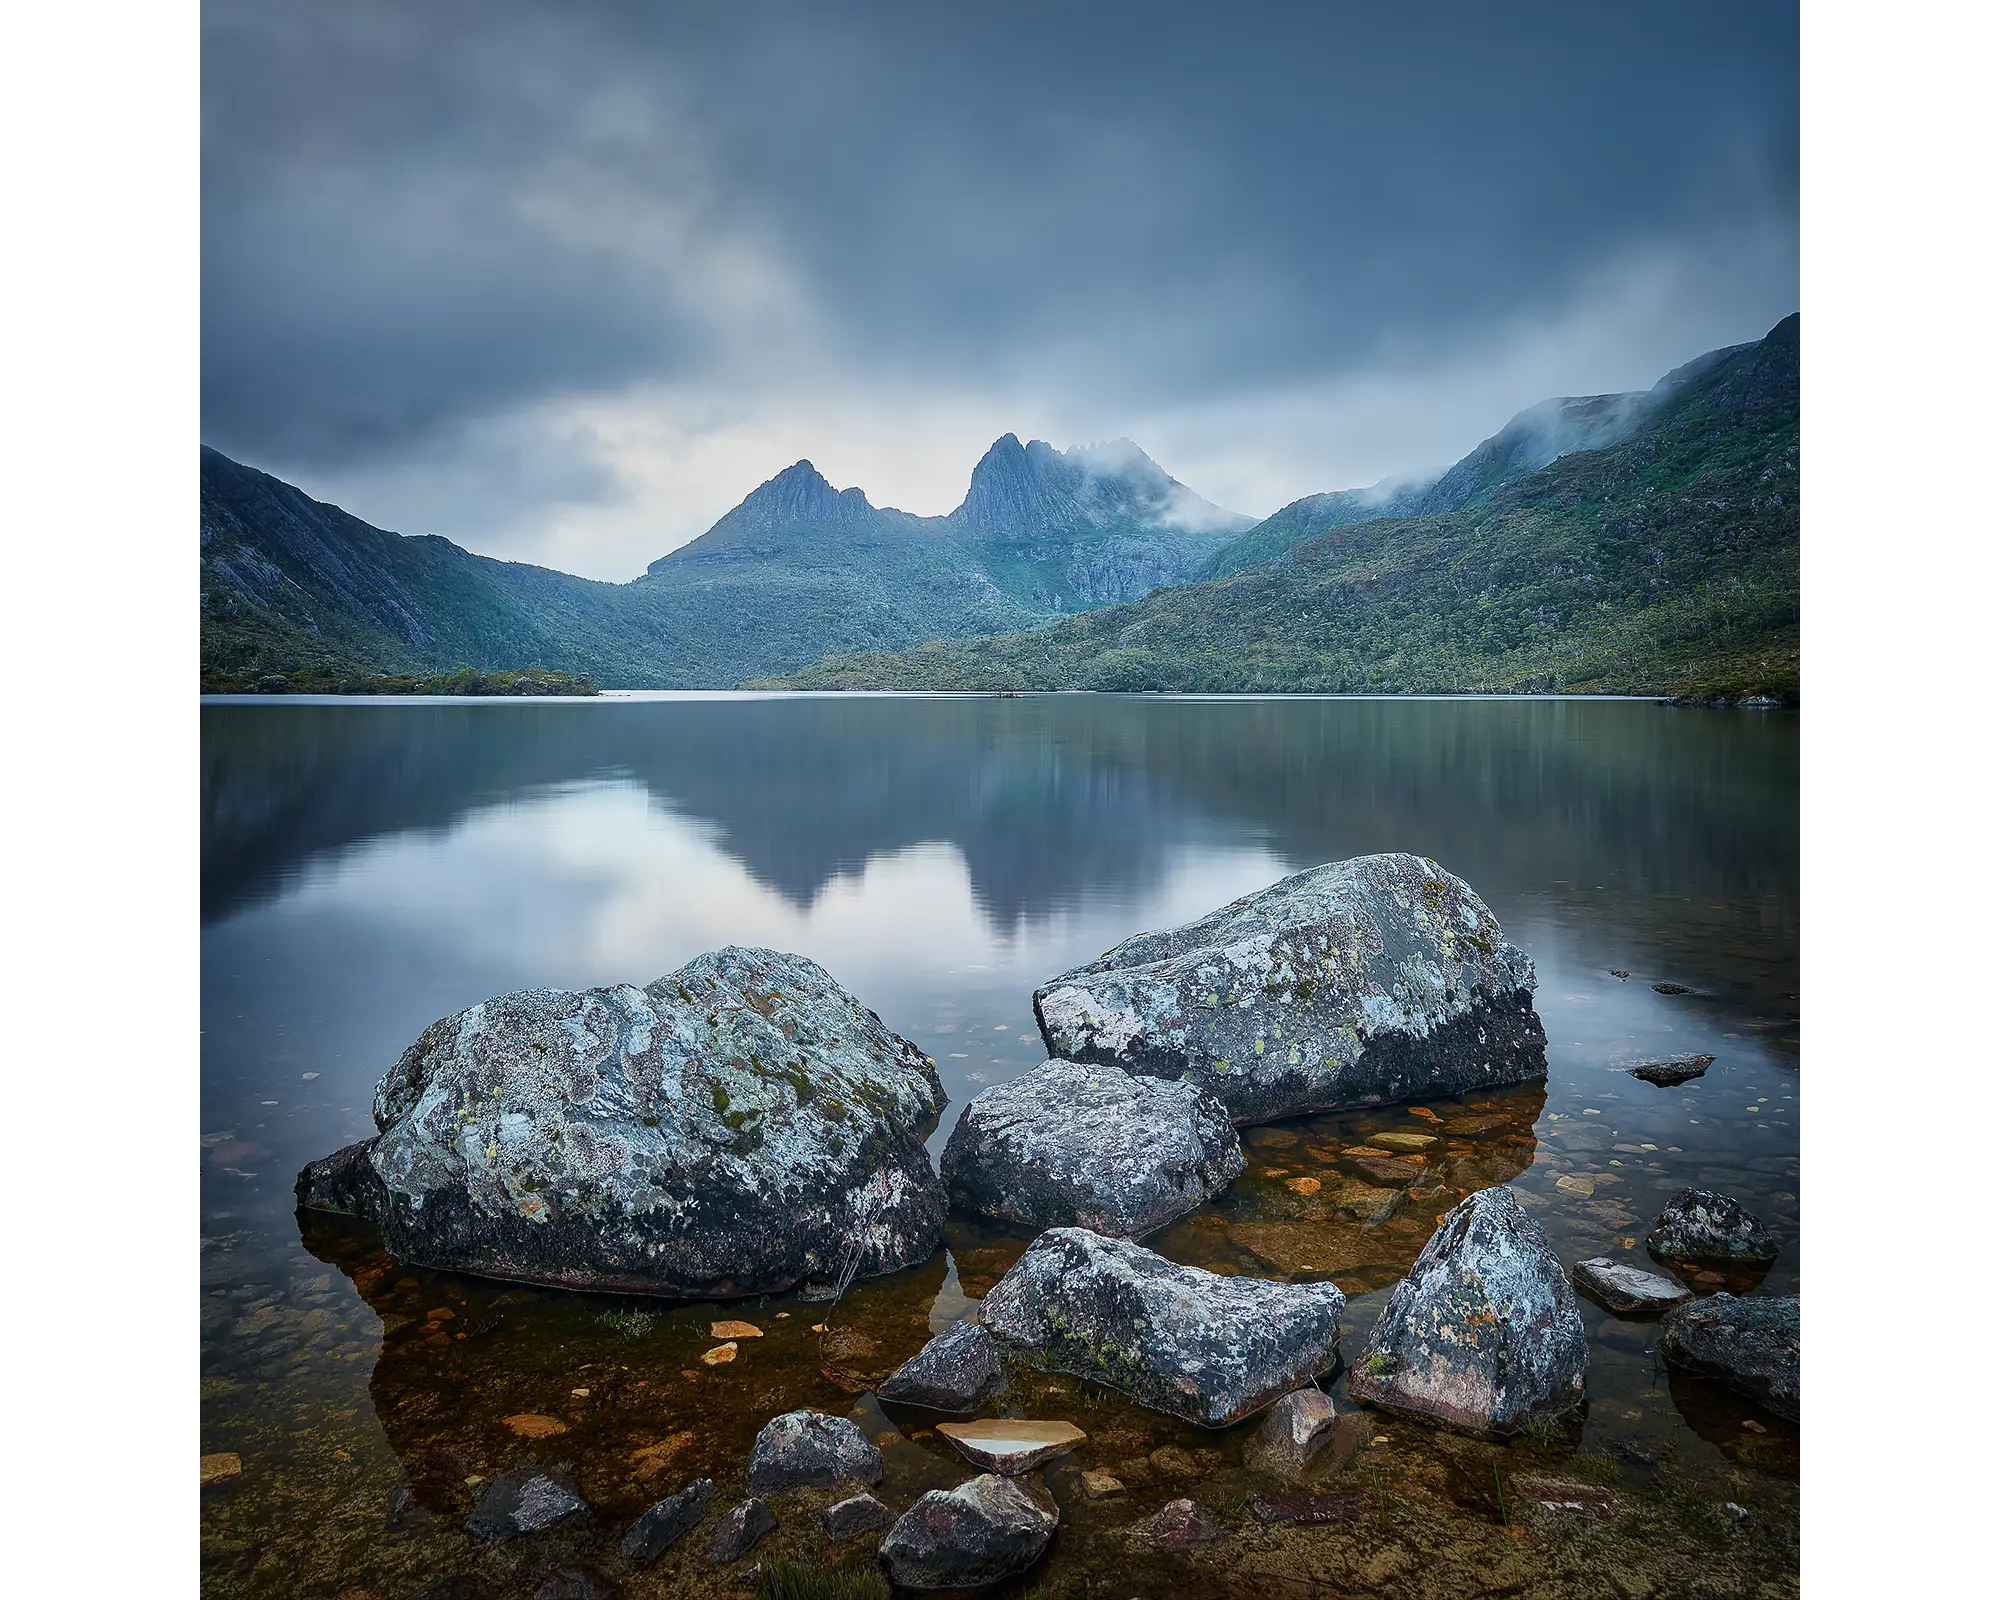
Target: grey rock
<point>1623,1288</point>
<point>985,1530</point>
<point>1701,1225</point>
<point>526,1500</point>
<point>958,1370</point>
<point>810,1450</point>
<point>854,1516</point>
<point>576,1583</point>
<point>741,1527</point>
<point>1192,1344</point>
<point>658,1527</point>
<point>1362,982</point>
<point>741,1126</point>
<point>1180,1523</point>
<point>1302,1436</point>
<point>1309,1510</point>
<point>1484,1334</point>
<point>1089,1146</point>
<point>1670,1071</point>
<point>1750,1342</point>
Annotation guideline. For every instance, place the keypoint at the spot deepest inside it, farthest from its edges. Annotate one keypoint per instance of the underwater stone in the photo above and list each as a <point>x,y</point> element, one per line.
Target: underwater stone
<point>1193,1344</point>
<point>1089,1146</point>
<point>1180,1523</point>
<point>1302,1435</point>
<point>741,1126</point>
<point>1701,1225</point>
<point>1379,979</point>
<point>811,1450</point>
<point>957,1370</point>
<point>1750,1342</point>
<point>985,1530</point>
<point>1484,1334</point>
<point>661,1525</point>
<point>524,1501</point>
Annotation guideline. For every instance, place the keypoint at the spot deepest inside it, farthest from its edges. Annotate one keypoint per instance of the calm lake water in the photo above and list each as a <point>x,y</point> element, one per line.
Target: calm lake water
<point>370,867</point>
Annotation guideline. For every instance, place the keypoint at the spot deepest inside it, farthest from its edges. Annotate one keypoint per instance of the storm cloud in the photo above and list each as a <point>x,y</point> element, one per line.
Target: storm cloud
<point>565,282</point>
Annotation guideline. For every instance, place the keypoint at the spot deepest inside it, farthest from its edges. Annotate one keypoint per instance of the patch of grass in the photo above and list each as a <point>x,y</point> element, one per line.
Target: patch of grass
<point>632,1324</point>
<point>790,1578</point>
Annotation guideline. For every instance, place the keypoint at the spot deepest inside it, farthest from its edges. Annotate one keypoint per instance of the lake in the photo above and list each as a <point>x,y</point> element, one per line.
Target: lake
<point>368,867</point>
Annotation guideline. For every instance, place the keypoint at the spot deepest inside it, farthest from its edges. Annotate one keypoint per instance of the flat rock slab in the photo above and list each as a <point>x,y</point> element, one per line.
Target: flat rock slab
<point>741,1126</point>
<point>1091,1146</point>
<point>1750,1342</point>
<point>1362,982</point>
<point>1193,1344</point>
<point>661,1525</point>
<point>1623,1288</point>
<point>1011,1445</point>
<point>526,1500</point>
<point>957,1370</point>
<point>983,1531</point>
<point>741,1527</point>
<point>811,1450</point>
<point>1701,1225</point>
<point>1484,1334</point>
<point>1405,1143</point>
<point>1671,1071</point>
<point>1309,1510</point>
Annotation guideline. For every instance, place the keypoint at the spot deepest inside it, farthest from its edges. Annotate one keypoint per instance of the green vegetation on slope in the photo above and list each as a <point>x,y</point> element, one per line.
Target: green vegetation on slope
<point>1667,563</point>
<point>530,681</point>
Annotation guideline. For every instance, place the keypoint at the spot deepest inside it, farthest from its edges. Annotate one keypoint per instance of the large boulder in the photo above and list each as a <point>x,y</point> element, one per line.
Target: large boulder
<point>1362,982</point>
<point>957,1370</point>
<point>742,1126</point>
<point>1701,1225</point>
<point>1484,1334</point>
<point>1089,1146</point>
<point>811,1450</point>
<point>1193,1344</point>
<point>1750,1342</point>
<point>985,1530</point>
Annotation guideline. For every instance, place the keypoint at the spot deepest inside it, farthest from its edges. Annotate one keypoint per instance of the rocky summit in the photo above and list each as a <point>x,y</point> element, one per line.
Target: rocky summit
<point>1070,1145</point>
<point>1193,1344</point>
<point>741,1126</point>
<point>1750,1342</point>
<point>1484,1334</point>
<point>1378,979</point>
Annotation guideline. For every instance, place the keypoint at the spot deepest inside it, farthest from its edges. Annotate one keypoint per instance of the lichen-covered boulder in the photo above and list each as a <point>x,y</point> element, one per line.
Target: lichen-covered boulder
<point>1379,979</point>
<point>985,1530</point>
<point>1089,1146</point>
<point>1750,1342</point>
<point>1484,1334</point>
<point>957,1370</point>
<point>742,1126</point>
<point>1192,1344</point>
<point>1701,1225</point>
<point>811,1450</point>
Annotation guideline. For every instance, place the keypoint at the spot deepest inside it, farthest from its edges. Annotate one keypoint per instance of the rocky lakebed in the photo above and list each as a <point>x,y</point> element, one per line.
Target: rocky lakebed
<point>1280,1275</point>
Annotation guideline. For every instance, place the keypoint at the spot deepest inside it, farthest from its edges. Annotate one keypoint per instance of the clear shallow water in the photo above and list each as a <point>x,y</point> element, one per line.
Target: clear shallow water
<point>368,868</point>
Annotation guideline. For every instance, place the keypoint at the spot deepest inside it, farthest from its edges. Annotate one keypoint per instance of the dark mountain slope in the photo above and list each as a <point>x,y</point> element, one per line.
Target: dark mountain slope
<point>1667,562</point>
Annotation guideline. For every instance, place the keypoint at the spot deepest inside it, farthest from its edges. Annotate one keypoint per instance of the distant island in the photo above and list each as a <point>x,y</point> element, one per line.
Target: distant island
<point>1643,543</point>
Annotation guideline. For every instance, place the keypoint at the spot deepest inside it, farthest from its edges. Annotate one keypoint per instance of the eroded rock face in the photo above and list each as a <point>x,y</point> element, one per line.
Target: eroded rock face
<point>1193,1344</point>
<point>958,1370</point>
<point>1750,1342</point>
<point>1701,1225</point>
<point>1090,1146</point>
<point>1363,982</point>
<point>981,1532</point>
<point>741,1126</point>
<point>810,1450</point>
<point>1484,1334</point>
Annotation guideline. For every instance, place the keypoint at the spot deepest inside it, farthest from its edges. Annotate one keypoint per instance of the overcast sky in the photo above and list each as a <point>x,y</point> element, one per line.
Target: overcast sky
<point>565,282</point>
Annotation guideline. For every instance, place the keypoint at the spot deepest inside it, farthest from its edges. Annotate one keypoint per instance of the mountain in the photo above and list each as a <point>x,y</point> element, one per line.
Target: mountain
<point>1664,559</point>
<point>799,570</point>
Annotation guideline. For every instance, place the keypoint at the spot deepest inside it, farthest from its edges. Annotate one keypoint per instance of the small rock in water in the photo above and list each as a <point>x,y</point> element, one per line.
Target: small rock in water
<point>1309,1510</point>
<point>1701,1225</point>
<point>1574,1499</point>
<point>1304,1433</point>
<point>1402,1141</point>
<point>1101,1486</point>
<point>1484,1334</point>
<point>1305,1186</point>
<point>810,1450</point>
<point>1620,972</point>
<point>1623,1288</point>
<point>526,1500</point>
<point>1671,1071</point>
<point>1180,1523</point>
<point>533,1425</point>
<point>734,1330</point>
<point>854,1516</point>
<point>720,1356</point>
<point>1671,988</point>
<point>220,1467</point>
<point>1171,1461</point>
<point>958,1370</point>
<point>660,1526</point>
<point>1011,1445</point>
<point>1385,1168</point>
<point>979,1533</point>
<point>576,1583</point>
<point>741,1527</point>
<point>1750,1342</point>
